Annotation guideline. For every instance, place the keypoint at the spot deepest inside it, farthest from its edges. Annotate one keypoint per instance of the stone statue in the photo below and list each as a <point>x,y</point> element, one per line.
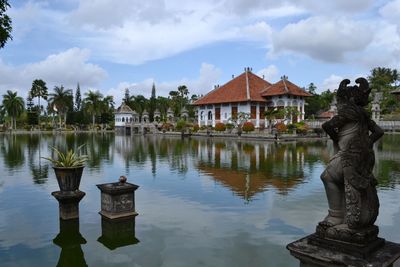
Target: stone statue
<point>348,179</point>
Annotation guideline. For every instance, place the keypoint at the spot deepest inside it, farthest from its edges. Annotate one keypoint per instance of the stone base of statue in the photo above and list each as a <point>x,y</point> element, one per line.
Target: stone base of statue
<point>317,251</point>
<point>68,202</point>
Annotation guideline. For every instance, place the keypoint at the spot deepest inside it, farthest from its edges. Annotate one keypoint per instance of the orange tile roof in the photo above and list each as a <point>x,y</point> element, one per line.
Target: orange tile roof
<point>245,87</point>
<point>284,87</point>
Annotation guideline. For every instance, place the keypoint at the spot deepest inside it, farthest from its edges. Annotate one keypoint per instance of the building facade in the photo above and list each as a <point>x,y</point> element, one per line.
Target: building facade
<point>250,94</point>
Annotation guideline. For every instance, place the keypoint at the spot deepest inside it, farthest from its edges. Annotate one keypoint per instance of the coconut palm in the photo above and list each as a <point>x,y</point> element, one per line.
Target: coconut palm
<point>61,100</point>
<point>93,104</point>
<point>39,90</point>
<point>14,106</point>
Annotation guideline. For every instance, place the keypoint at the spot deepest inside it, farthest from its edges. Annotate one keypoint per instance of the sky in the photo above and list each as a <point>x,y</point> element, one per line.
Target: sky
<point>110,45</point>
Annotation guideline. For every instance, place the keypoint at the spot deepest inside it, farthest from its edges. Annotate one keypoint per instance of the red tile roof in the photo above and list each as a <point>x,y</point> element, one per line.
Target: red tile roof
<point>326,115</point>
<point>284,87</point>
<point>249,87</point>
<point>245,87</point>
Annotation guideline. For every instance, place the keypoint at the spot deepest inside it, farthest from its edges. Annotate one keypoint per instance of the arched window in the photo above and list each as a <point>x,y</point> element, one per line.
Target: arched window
<point>202,115</point>
<point>131,119</point>
<point>123,119</point>
<point>209,115</point>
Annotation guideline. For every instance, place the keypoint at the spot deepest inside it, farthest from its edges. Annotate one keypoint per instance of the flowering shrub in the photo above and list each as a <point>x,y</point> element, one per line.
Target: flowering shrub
<point>220,127</point>
<point>166,126</point>
<point>196,127</point>
<point>248,126</point>
<point>281,127</point>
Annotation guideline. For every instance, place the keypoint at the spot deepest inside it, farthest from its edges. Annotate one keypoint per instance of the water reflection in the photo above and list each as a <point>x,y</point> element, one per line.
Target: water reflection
<point>12,149</point>
<point>251,168</point>
<point>118,232</point>
<point>70,241</point>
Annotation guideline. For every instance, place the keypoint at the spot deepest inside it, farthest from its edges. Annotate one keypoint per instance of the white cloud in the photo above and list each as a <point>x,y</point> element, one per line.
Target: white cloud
<point>270,73</point>
<point>66,68</point>
<point>209,75</point>
<point>331,83</point>
<point>391,11</point>
<point>332,7</point>
<point>323,38</point>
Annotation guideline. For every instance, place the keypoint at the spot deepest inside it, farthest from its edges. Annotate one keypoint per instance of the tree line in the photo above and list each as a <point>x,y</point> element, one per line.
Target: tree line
<point>63,107</point>
<point>381,80</point>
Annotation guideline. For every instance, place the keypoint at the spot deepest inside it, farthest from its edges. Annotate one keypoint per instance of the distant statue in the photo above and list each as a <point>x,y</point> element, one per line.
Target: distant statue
<point>349,183</point>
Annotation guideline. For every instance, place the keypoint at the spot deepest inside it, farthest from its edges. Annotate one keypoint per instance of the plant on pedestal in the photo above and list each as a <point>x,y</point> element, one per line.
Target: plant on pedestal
<point>68,168</point>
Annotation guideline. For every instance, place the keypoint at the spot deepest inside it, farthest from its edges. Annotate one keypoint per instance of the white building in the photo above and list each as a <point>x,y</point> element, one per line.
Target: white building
<point>250,94</point>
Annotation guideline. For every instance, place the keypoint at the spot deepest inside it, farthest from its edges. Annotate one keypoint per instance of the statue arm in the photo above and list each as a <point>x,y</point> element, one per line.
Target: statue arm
<point>332,126</point>
<point>376,131</point>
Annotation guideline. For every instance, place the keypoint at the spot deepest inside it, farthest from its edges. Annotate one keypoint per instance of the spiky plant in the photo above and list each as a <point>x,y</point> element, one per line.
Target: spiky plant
<point>69,159</point>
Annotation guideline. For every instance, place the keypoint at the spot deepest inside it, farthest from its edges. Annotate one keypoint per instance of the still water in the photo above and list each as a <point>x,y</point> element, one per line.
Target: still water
<point>200,202</point>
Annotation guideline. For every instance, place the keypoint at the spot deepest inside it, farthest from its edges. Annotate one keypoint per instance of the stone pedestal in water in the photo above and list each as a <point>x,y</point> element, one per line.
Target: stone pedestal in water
<point>118,199</point>
<point>68,202</point>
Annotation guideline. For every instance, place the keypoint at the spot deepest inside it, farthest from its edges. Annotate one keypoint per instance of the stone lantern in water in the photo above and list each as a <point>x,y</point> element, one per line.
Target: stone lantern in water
<point>118,214</point>
<point>347,236</point>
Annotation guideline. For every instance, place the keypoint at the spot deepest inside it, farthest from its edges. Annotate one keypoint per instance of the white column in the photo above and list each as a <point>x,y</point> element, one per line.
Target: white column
<point>258,115</point>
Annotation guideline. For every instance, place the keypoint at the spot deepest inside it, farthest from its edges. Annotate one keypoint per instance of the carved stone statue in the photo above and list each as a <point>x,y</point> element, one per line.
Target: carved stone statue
<point>347,236</point>
<point>348,179</point>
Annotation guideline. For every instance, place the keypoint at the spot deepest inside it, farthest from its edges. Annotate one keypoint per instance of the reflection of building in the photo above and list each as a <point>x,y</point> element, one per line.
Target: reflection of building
<point>248,169</point>
<point>250,94</point>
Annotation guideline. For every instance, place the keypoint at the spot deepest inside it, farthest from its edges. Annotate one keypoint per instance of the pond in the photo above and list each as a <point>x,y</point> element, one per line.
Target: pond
<point>201,202</point>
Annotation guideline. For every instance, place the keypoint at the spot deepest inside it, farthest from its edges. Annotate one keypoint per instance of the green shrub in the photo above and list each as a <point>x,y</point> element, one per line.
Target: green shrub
<point>196,128</point>
<point>302,127</point>
<point>220,127</point>
<point>248,126</point>
<point>180,125</point>
<point>229,126</point>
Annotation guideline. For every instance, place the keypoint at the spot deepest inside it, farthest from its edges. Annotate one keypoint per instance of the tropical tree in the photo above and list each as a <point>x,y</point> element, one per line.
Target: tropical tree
<point>271,114</point>
<point>385,80</point>
<point>107,109</point>
<point>5,23</point>
<point>93,104</point>
<point>13,106</point>
<point>78,100</point>
<point>61,101</point>
<point>39,90</point>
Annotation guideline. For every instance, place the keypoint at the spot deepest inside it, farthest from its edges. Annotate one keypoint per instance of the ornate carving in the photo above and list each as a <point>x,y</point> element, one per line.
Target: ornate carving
<point>348,179</point>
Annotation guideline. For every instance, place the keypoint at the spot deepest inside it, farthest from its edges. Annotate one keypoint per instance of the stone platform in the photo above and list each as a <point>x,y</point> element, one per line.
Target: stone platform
<point>311,254</point>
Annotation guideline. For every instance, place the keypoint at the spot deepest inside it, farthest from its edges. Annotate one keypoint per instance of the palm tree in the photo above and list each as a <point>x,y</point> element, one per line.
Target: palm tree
<point>61,100</point>
<point>39,90</point>
<point>14,106</point>
<point>107,109</point>
<point>93,104</point>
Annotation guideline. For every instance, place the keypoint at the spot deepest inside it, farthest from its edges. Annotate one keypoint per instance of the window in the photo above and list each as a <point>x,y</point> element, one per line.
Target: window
<point>123,119</point>
<point>217,113</point>
<point>209,115</point>
<point>253,111</point>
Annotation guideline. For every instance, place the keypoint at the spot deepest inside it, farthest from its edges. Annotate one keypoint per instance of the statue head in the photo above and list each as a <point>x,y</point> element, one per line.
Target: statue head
<point>357,94</point>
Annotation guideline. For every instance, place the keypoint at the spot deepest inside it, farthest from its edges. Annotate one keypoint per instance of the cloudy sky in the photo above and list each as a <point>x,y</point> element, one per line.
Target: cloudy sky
<point>111,45</point>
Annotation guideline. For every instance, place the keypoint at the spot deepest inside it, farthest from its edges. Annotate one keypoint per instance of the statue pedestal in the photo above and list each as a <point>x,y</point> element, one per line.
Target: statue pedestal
<point>68,202</point>
<point>117,200</point>
<point>313,251</point>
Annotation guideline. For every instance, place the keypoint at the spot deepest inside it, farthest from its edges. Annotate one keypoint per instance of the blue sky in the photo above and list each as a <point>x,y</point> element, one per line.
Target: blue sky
<point>111,45</point>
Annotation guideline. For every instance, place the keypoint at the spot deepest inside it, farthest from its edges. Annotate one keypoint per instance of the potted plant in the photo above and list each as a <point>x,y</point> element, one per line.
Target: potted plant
<point>68,168</point>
